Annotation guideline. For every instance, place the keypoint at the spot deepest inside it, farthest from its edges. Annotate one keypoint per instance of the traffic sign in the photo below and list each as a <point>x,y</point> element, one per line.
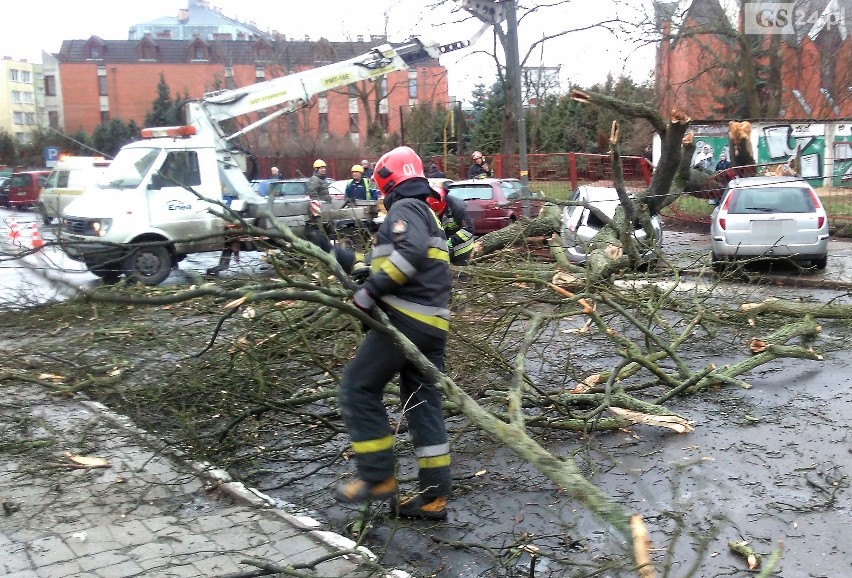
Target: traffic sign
<point>51,155</point>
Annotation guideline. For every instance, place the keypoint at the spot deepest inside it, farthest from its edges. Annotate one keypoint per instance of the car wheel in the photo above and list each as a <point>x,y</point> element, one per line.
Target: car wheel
<point>148,265</point>
<point>719,265</point>
<point>109,274</point>
<point>821,263</point>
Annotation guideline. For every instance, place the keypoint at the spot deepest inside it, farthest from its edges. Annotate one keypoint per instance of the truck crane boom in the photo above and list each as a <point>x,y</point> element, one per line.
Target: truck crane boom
<point>294,91</point>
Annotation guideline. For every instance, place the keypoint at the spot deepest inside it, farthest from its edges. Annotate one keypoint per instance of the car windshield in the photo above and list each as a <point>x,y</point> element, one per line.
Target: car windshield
<point>289,189</point>
<point>472,192</point>
<point>753,200</point>
<point>129,168</point>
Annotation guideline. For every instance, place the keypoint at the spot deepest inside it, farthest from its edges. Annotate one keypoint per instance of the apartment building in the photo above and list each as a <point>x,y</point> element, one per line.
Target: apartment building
<point>21,96</point>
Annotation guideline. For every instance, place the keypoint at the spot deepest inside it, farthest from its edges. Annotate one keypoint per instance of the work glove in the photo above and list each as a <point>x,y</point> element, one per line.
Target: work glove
<point>363,300</point>
<point>360,273</point>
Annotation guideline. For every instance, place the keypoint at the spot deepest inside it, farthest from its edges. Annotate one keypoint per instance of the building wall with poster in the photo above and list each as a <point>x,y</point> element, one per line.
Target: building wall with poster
<point>826,147</point>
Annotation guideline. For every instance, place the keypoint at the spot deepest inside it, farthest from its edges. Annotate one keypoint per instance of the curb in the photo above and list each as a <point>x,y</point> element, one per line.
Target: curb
<point>238,491</point>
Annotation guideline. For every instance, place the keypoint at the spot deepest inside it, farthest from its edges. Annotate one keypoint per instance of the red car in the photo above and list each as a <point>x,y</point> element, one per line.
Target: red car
<point>22,189</point>
<point>492,203</point>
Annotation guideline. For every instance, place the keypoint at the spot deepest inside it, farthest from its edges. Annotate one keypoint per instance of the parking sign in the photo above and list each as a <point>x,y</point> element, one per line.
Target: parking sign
<point>51,155</point>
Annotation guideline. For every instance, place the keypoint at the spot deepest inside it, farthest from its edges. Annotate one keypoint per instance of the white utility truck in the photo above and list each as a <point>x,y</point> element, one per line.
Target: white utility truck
<point>162,196</point>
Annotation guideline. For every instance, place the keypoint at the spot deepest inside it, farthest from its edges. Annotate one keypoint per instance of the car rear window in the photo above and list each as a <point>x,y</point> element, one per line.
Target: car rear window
<point>472,192</point>
<point>771,200</point>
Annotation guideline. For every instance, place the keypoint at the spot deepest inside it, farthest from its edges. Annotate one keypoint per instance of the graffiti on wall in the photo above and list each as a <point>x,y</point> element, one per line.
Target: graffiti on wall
<point>711,142</point>
<point>780,143</point>
<point>842,171</point>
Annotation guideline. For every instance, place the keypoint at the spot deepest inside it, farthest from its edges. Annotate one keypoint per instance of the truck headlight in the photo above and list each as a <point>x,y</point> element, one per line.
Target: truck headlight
<point>100,227</point>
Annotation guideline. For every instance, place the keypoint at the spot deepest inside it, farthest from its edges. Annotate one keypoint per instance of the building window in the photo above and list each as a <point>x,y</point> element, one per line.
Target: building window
<point>29,117</point>
<point>29,98</point>
<point>53,119</point>
<point>96,52</point>
<point>199,52</point>
<point>264,52</point>
<point>353,122</point>
<point>259,74</point>
<point>149,52</point>
<point>412,84</point>
<point>323,123</point>
<point>21,137</point>
<point>104,116</point>
<point>14,74</point>
<point>353,91</point>
<point>18,117</point>
<point>384,120</point>
<point>26,76</point>
<point>16,97</point>
<point>383,87</point>
<point>102,85</point>
<point>50,85</point>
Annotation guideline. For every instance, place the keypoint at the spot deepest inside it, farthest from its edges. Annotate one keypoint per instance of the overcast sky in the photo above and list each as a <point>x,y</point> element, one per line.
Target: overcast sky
<point>585,57</point>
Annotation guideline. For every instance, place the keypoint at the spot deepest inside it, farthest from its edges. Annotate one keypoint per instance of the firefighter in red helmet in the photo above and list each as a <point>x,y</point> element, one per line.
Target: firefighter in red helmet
<point>410,282</point>
<point>457,225</point>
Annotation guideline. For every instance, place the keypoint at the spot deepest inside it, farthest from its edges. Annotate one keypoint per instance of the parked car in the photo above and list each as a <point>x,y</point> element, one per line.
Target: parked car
<point>23,188</point>
<point>69,179</point>
<point>580,225</point>
<point>492,203</point>
<point>776,217</point>
<point>4,191</point>
<point>281,187</point>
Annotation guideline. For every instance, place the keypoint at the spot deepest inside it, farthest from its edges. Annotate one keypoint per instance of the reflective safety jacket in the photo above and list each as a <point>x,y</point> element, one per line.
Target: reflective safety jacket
<point>410,272</point>
<point>358,190</point>
<point>458,226</point>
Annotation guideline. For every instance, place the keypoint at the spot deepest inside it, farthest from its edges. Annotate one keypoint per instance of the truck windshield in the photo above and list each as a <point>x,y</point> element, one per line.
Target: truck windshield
<point>129,168</point>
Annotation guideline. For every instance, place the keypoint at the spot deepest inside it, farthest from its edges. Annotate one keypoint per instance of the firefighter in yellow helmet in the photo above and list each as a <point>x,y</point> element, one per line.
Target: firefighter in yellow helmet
<point>317,184</point>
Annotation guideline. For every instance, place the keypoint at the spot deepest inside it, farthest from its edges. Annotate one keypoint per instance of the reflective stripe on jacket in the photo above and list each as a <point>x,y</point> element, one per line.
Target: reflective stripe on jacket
<point>410,273</point>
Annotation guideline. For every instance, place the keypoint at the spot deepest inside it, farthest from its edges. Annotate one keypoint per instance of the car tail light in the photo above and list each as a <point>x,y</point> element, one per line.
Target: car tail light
<point>728,201</point>
<point>722,223</point>
<point>815,199</point>
<point>820,222</point>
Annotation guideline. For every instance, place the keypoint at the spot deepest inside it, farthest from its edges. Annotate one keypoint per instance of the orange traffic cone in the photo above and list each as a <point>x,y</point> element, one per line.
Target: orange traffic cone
<point>14,230</point>
<point>35,237</point>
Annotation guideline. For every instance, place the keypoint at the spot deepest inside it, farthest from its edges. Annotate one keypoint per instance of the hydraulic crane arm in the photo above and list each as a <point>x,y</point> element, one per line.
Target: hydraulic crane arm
<point>294,90</point>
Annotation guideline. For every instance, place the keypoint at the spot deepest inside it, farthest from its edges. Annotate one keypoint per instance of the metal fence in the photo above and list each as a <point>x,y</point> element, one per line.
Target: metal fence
<point>573,168</point>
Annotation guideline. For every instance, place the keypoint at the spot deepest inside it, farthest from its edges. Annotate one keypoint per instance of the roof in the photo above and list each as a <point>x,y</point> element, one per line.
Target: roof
<point>292,53</point>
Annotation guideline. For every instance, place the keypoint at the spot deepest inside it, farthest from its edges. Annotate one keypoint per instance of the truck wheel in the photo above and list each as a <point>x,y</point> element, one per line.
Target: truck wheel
<point>109,274</point>
<point>148,265</point>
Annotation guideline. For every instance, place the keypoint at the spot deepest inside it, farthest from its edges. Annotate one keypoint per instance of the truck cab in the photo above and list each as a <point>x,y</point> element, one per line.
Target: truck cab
<point>155,204</point>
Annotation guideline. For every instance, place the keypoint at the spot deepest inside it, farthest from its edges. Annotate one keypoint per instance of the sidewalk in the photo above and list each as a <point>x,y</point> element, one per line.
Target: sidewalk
<point>147,514</point>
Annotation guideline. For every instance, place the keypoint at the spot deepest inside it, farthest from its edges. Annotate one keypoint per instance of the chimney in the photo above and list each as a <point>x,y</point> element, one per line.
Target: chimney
<point>183,15</point>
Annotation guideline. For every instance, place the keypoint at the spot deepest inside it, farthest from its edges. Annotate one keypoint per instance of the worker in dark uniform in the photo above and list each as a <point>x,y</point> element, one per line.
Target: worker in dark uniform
<point>410,282</point>
<point>479,169</point>
<point>457,225</point>
<point>358,188</point>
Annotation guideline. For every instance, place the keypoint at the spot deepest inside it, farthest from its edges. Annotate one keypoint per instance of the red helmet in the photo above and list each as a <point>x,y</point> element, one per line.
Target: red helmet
<point>397,166</point>
<point>438,200</point>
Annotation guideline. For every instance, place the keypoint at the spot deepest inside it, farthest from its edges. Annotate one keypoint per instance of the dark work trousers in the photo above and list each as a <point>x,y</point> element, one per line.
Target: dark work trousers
<point>375,363</point>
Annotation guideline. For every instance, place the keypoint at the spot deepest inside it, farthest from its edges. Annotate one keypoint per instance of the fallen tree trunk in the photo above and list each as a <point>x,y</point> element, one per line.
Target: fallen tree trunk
<point>547,223</point>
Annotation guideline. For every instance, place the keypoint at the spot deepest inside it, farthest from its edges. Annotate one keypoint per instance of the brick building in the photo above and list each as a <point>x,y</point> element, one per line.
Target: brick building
<point>806,73</point>
<point>90,81</point>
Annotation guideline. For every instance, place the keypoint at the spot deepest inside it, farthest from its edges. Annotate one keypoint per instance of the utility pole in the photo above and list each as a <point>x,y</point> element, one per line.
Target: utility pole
<point>493,12</point>
<point>515,60</point>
